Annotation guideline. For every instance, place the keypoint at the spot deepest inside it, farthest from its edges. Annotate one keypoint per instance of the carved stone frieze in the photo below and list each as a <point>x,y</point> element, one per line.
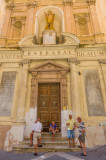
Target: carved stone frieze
<point>103,61</point>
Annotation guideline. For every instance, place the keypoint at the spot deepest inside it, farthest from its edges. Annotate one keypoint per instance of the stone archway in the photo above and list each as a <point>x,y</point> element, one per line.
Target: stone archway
<point>49,72</point>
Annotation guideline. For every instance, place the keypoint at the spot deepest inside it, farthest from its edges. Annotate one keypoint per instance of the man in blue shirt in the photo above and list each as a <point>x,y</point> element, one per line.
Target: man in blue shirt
<point>53,129</point>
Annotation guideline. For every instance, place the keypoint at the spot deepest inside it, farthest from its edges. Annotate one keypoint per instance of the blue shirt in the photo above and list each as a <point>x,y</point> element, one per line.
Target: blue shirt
<point>54,127</point>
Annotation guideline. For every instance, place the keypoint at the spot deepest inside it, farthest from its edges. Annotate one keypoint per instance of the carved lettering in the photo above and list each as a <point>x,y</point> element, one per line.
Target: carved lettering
<point>6,56</point>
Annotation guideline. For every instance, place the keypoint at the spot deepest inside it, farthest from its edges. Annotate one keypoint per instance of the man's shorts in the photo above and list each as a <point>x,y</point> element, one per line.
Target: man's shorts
<point>82,138</point>
<point>36,136</point>
<point>71,134</point>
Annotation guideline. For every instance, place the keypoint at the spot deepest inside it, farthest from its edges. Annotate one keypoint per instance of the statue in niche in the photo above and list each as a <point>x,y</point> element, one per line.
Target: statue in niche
<point>49,20</point>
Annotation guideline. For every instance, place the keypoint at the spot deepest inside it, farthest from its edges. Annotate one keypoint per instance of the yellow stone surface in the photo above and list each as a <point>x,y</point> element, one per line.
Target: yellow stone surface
<point>81,45</point>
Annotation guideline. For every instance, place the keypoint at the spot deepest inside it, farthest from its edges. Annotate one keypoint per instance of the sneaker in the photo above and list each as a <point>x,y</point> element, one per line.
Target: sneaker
<point>35,154</point>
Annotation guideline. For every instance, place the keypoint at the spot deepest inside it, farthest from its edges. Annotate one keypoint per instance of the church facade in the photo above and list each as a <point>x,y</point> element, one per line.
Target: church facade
<point>52,63</point>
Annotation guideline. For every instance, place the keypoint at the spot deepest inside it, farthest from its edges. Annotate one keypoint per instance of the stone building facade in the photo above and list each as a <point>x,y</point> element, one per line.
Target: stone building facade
<point>51,81</point>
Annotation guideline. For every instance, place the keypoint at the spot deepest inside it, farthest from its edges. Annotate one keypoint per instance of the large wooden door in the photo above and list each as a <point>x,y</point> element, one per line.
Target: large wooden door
<point>49,104</point>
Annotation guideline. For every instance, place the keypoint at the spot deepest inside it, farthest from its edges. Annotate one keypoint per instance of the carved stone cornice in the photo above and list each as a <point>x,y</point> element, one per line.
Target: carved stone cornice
<point>24,61</point>
<point>73,60</point>
<point>91,2</point>
<point>68,2</point>
<point>103,61</point>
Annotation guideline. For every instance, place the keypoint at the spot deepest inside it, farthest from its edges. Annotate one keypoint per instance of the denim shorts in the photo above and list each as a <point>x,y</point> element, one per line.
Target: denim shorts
<point>71,134</point>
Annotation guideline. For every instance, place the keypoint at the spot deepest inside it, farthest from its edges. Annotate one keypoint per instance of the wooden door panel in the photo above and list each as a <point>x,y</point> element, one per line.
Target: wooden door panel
<point>49,104</point>
<point>44,116</point>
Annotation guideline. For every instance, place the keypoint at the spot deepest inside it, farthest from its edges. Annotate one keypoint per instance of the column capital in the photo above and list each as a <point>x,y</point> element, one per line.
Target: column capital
<point>31,4</point>
<point>24,61</point>
<point>68,2</point>
<point>103,61</point>
<point>10,6</point>
<point>91,2</point>
<point>73,60</point>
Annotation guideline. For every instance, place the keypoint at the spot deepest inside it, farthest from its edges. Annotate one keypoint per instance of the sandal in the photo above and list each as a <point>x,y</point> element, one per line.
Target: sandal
<point>82,154</point>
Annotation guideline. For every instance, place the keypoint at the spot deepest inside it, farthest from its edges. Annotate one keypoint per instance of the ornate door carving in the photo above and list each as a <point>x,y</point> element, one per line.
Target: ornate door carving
<point>49,104</point>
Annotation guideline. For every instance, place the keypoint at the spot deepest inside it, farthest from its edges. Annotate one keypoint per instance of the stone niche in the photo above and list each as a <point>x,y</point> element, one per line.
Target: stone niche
<point>93,92</point>
<point>7,92</point>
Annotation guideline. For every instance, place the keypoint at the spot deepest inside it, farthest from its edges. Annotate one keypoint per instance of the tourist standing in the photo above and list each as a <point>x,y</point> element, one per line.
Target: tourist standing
<point>82,134</point>
<point>37,128</point>
<point>71,127</point>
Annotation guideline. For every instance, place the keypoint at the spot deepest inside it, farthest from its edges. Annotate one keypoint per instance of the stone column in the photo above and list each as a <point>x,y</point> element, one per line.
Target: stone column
<point>7,20</point>
<point>64,89</point>
<point>30,18</point>
<point>75,100</point>
<point>23,27</point>
<point>77,25</point>
<point>33,101</point>
<point>23,90</point>
<point>70,22</point>
<point>64,111</point>
<point>94,17</point>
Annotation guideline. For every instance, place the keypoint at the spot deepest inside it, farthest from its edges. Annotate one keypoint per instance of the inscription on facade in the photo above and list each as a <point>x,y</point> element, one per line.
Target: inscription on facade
<point>93,93</point>
<point>7,92</point>
<point>65,53</point>
<point>8,56</point>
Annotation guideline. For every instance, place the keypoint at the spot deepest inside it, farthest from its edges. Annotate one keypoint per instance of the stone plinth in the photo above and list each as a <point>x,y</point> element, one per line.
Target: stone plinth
<point>49,37</point>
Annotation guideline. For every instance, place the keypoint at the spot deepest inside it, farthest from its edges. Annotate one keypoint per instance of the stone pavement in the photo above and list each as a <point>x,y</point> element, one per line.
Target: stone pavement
<point>96,153</point>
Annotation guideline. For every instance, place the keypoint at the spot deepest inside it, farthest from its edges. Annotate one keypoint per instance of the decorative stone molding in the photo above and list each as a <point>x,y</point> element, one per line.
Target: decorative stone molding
<point>73,60</point>
<point>91,2</point>
<point>24,61</point>
<point>103,61</point>
<point>67,2</point>
<point>18,21</point>
<point>58,73</point>
<point>69,38</point>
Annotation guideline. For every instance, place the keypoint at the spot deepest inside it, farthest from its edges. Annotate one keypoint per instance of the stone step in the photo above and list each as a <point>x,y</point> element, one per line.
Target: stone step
<point>46,134</point>
<point>56,143</point>
<point>50,148</point>
<point>49,138</point>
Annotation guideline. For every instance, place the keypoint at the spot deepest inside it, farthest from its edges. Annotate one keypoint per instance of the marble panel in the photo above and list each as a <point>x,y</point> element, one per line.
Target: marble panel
<point>6,93</point>
<point>93,92</point>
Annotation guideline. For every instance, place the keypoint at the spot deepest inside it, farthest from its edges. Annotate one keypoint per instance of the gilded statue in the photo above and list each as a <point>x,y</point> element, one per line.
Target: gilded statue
<point>49,20</point>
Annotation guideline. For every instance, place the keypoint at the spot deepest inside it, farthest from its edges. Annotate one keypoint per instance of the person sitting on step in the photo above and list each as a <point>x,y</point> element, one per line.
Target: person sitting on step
<point>53,129</point>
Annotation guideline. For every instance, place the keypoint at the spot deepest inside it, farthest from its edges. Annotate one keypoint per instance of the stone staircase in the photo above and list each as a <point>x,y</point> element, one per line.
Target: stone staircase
<point>60,144</point>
